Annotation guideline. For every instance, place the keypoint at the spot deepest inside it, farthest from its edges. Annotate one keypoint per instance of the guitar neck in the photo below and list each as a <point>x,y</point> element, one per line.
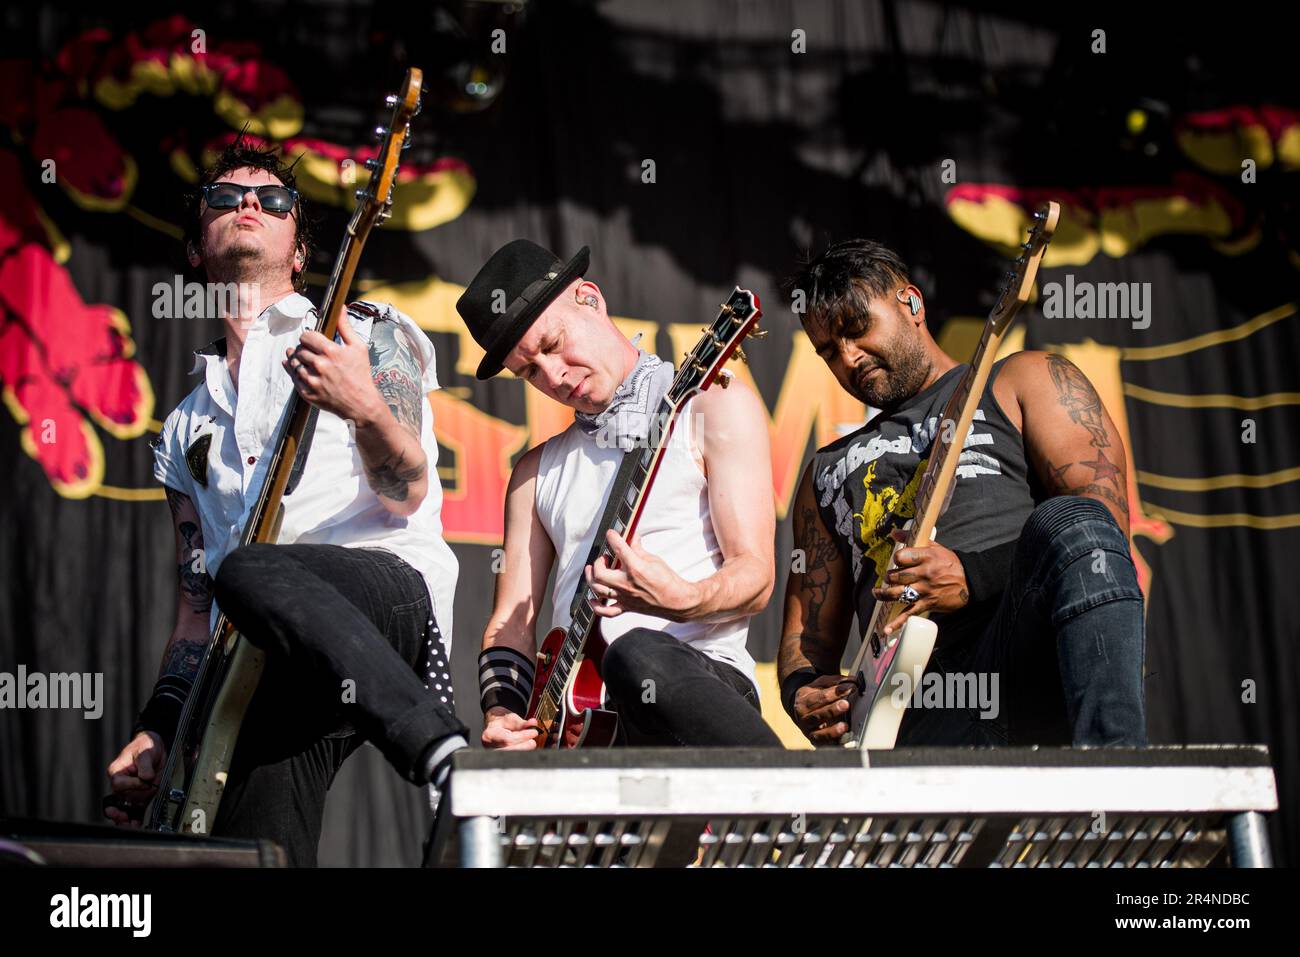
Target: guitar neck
<point>934,490</point>
<point>262,522</point>
<point>623,508</point>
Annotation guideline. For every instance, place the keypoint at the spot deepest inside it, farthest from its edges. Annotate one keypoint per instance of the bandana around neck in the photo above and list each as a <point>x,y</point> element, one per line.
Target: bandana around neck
<point>628,417</point>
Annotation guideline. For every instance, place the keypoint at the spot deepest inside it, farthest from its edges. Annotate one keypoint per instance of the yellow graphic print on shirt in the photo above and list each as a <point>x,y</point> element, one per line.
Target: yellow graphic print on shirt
<point>879,508</point>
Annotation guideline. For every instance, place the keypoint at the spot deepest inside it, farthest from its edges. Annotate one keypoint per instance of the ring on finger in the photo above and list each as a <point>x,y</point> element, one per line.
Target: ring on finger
<point>909,595</point>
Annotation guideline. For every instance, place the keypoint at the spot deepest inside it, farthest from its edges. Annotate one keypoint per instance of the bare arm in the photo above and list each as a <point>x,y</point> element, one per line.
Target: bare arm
<point>818,609</point>
<point>1071,441</point>
<point>733,440</point>
<point>190,633</point>
<point>818,612</point>
<point>520,590</point>
<point>731,430</point>
<point>396,466</point>
<point>132,773</point>
<point>529,554</point>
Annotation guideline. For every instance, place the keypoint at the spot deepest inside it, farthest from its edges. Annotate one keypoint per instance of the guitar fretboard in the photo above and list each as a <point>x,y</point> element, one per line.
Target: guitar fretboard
<point>946,441</point>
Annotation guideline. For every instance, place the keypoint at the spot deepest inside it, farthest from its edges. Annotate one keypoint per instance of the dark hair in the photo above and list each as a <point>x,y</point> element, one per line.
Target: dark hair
<point>840,282</point>
<point>243,155</point>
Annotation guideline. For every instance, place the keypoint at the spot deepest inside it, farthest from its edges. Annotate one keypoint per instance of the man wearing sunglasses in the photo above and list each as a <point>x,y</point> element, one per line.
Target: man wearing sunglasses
<point>352,606</point>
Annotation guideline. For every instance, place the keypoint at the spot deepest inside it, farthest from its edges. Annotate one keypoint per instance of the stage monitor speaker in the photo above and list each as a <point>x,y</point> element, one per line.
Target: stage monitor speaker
<point>34,843</point>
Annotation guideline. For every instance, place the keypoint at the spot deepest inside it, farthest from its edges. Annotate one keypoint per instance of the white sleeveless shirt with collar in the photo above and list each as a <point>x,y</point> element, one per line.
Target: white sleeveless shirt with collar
<point>573,480</point>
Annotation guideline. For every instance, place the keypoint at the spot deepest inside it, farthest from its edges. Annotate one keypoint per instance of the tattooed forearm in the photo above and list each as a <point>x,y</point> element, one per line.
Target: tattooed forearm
<point>396,373</point>
<point>183,658</point>
<point>393,457</point>
<point>818,550</point>
<point>819,643</point>
<point>1076,393</point>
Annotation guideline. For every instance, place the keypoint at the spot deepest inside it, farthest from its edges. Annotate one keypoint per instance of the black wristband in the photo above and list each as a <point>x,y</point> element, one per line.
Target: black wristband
<point>163,712</point>
<point>799,678</point>
<point>987,571</point>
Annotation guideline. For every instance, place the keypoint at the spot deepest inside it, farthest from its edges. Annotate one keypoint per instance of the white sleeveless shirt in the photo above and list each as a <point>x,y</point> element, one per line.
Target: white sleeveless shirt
<point>573,480</point>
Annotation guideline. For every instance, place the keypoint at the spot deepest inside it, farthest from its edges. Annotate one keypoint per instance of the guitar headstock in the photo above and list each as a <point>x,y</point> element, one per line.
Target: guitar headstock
<point>1018,283</point>
<point>738,319</point>
<point>375,202</point>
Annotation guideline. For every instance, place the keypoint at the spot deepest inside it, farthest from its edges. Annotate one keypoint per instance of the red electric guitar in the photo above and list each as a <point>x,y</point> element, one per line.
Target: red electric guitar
<point>568,698</point>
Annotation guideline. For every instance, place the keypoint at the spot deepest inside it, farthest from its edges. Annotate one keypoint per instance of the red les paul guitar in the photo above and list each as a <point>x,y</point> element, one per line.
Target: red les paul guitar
<point>568,698</point>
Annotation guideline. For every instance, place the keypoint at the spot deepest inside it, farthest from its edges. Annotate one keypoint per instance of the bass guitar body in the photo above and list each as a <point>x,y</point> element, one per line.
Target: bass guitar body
<point>583,721</point>
<point>879,710</point>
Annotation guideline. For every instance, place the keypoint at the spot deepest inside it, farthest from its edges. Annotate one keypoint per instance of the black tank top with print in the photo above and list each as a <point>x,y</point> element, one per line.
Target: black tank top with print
<point>865,485</point>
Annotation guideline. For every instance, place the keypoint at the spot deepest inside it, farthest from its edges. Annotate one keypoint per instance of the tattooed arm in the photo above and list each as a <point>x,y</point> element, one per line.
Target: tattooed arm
<point>1072,443</point>
<point>818,612</point>
<point>395,463</point>
<point>134,773</point>
<point>190,634</point>
<point>377,388</point>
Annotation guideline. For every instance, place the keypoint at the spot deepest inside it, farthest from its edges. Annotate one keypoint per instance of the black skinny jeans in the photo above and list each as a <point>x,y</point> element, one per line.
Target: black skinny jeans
<point>346,632</point>
<point>668,693</point>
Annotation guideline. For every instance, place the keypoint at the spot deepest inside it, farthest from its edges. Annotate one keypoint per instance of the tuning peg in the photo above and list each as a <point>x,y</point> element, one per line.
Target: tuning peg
<point>390,99</point>
<point>740,353</point>
<point>1040,215</point>
<point>372,164</point>
<point>757,333</point>
<point>359,193</point>
<point>381,132</point>
<point>419,104</point>
<point>406,144</point>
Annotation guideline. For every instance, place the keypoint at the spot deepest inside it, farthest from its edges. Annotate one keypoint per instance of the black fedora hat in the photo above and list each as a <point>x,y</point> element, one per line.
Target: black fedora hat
<point>510,292</point>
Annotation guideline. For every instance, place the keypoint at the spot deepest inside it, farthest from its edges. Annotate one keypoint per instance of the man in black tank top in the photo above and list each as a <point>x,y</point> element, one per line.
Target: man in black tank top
<point>1030,578</point>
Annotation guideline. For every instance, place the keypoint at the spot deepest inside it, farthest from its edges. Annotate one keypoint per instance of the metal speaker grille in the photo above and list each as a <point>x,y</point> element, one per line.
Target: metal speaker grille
<point>1128,841</point>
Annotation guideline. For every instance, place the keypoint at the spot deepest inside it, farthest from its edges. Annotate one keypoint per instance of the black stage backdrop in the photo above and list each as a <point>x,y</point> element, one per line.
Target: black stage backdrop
<point>693,146</point>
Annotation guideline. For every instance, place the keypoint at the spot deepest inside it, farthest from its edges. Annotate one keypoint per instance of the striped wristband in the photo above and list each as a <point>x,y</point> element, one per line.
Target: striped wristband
<point>505,679</point>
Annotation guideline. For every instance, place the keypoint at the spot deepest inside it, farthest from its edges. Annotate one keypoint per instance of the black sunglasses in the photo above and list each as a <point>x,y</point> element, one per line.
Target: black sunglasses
<point>274,199</point>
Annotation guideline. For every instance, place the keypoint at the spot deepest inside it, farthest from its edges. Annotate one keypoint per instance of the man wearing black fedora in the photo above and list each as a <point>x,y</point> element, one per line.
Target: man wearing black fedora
<point>675,612</point>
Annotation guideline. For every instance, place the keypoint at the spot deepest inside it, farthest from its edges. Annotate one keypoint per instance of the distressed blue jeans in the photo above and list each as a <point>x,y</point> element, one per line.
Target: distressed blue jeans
<point>1066,644</point>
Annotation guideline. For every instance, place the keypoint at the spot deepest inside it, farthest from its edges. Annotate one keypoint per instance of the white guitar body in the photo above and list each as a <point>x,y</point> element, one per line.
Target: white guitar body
<point>878,712</point>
